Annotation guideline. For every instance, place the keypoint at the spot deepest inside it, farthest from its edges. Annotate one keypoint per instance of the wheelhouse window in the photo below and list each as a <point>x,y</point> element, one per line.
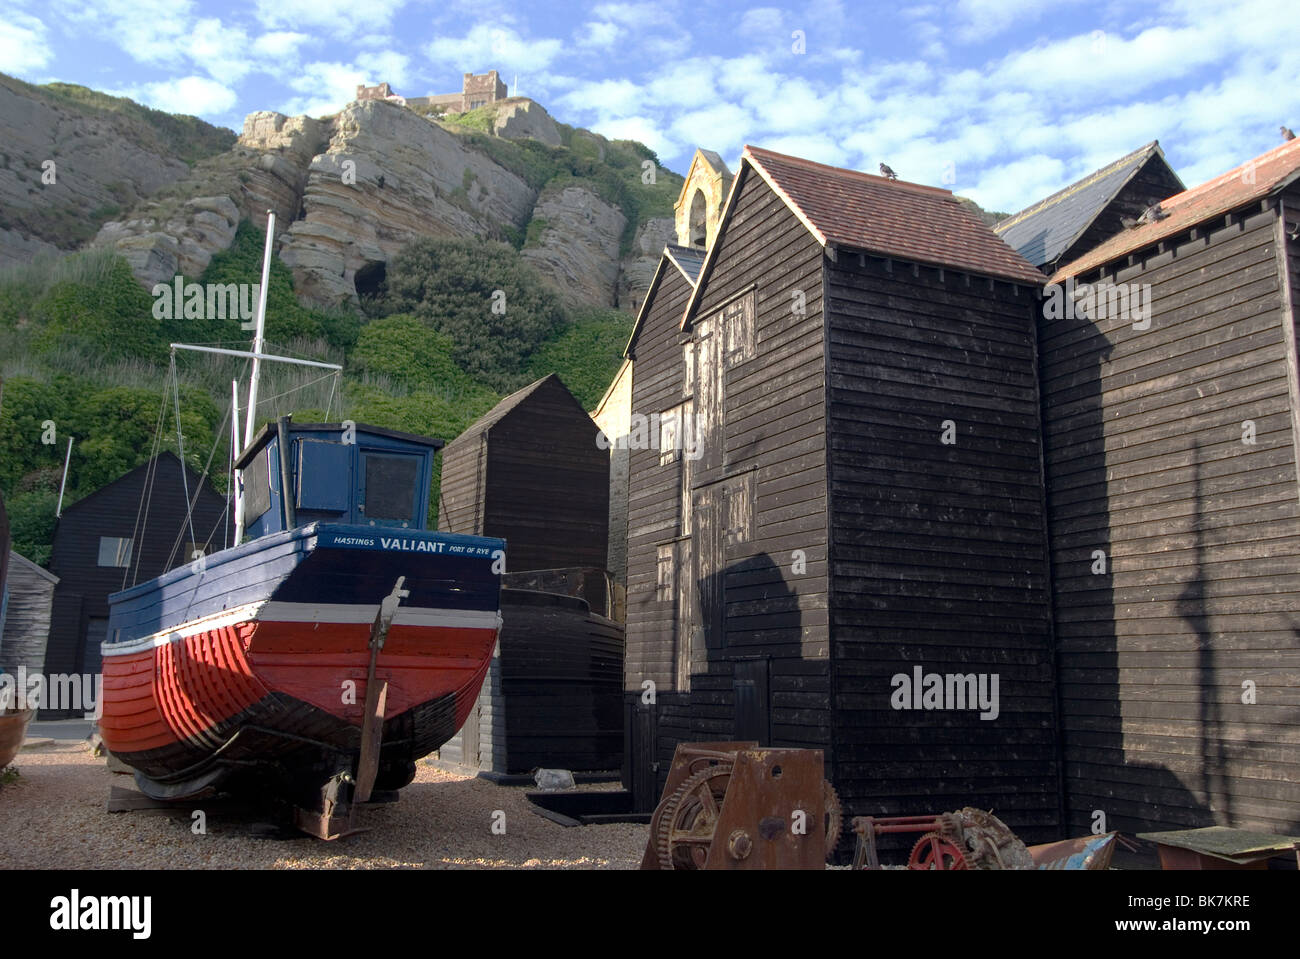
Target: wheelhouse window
<point>115,551</point>
<point>391,487</point>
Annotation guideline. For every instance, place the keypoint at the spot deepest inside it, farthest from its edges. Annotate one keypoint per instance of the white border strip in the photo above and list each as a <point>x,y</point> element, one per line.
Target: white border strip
<point>331,613</point>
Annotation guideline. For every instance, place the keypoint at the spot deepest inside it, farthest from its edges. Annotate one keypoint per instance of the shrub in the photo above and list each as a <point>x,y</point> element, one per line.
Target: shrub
<point>452,286</point>
<point>586,354</point>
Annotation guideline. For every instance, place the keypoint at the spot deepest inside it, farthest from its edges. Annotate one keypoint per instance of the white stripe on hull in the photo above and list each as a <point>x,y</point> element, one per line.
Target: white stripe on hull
<point>326,613</point>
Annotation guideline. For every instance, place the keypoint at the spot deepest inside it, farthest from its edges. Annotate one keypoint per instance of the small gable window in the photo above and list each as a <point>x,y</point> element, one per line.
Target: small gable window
<point>115,551</point>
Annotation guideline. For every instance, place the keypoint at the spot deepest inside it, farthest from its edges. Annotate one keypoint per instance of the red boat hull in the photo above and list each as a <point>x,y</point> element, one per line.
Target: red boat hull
<point>279,683</point>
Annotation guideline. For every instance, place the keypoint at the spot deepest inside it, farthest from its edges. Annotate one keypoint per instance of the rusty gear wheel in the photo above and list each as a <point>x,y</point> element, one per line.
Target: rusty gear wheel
<point>834,817</point>
<point>684,824</point>
<point>935,851</point>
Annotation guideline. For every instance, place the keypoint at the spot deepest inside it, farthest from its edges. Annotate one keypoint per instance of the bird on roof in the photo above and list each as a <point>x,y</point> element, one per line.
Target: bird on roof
<point>1152,213</point>
<point>1286,133</point>
<point>1128,222</point>
<point>887,171</point>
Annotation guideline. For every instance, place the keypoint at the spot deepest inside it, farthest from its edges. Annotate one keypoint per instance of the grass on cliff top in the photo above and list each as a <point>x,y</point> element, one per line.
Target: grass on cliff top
<point>185,137</point>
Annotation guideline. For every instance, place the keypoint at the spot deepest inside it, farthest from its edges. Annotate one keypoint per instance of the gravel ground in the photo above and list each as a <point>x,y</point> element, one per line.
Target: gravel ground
<point>54,817</point>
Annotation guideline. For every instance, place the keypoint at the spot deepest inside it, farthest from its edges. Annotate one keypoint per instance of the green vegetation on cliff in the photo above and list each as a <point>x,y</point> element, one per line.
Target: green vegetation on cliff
<point>82,355</point>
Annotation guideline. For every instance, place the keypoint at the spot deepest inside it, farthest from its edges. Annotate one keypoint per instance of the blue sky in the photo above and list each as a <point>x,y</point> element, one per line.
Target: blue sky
<point>1001,100</point>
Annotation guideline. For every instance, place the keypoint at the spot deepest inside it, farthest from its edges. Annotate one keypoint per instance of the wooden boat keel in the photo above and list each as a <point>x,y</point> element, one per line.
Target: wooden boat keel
<point>335,815</point>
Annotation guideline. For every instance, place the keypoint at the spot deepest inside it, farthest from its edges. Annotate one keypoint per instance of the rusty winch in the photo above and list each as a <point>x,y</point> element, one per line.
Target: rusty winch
<point>732,805</point>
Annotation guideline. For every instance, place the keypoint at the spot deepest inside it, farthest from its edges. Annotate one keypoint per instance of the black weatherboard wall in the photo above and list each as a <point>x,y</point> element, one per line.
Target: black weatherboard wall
<point>832,540</point>
<point>939,551</point>
<point>98,522</point>
<point>530,471</point>
<point>1172,452</point>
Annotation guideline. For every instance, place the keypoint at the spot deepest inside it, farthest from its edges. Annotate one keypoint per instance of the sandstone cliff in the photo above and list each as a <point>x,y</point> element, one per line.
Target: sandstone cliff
<point>387,177</point>
<point>349,191</point>
<point>577,244</point>
<point>71,158</point>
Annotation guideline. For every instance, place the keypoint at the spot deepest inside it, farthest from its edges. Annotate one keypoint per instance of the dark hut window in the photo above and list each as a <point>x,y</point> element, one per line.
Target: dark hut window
<point>390,487</point>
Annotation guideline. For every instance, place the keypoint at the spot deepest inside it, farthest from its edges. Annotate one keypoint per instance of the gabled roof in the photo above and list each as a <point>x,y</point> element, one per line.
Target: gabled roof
<point>888,217</point>
<point>19,561</point>
<point>891,218</point>
<point>86,501</point>
<point>609,390</point>
<point>716,161</point>
<point>509,405</point>
<point>1253,180</point>
<point>1043,232</point>
<point>687,260</point>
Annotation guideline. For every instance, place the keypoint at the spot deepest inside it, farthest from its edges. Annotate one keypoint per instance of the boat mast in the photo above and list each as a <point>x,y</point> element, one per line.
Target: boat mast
<point>257,356</point>
<point>235,450</point>
<point>251,409</point>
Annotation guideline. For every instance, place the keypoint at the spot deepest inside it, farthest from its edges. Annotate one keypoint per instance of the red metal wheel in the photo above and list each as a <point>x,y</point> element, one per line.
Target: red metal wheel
<point>933,851</point>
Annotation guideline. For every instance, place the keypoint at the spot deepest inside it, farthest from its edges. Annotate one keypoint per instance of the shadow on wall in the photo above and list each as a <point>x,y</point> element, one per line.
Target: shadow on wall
<point>1109,729</point>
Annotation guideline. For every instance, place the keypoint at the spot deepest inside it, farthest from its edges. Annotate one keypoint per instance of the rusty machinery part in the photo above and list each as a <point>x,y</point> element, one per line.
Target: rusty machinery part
<point>683,825</point>
<point>936,851</point>
<point>701,759</point>
<point>834,817</point>
<point>988,841</point>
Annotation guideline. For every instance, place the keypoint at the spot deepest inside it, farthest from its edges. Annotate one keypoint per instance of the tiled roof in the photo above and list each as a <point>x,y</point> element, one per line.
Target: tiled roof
<point>687,259</point>
<point>1251,181</point>
<point>1044,231</point>
<point>889,217</point>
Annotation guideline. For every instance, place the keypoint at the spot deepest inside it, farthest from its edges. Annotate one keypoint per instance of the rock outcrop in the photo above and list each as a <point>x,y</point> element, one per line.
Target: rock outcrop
<point>15,247</point>
<point>64,169</point>
<point>184,243</point>
<point>519,118</point>
<point>388,177</point>
<point>638,267</point>
<point>579,244</point>
<point>277,178</point>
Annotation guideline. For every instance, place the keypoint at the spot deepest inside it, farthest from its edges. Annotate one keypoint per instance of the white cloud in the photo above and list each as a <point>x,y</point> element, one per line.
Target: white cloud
<point>979,20</point>
<point>761,22</point>
<point>612,99</point>
<point>386,66</point>
<point>1032,178</point>
<point>219,49</point>
<point>599,34</point>
<point>279,44</point>
<point>195,95</point>
<point>724,127</point>
<point>501,46</point>
<point>148,31</point>
<point>23,44</point>
<point>639,16</point>
<point>342,18</point>
<point>324,88</point>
